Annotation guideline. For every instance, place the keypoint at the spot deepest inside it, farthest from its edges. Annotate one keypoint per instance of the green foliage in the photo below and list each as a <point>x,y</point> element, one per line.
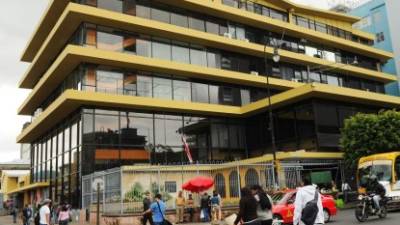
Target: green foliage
<point>135,194</point>
<point>165,195</point>
<point>366,134</point>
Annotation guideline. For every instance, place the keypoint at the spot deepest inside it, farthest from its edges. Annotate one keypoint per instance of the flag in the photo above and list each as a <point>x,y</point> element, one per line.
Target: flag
<point>187,149</point>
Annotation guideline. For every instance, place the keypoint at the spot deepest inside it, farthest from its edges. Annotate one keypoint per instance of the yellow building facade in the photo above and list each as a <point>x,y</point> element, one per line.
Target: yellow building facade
<point>123,82</point>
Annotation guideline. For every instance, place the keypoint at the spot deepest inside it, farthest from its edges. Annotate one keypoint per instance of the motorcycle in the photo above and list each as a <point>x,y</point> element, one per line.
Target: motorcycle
<point>366,207</point>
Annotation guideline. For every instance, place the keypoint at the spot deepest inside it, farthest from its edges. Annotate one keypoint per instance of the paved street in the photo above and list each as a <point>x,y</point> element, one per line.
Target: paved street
<point>345,217</point>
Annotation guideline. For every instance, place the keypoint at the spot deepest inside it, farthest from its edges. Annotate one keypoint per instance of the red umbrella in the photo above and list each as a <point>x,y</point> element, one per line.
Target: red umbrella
<point>198,184</point>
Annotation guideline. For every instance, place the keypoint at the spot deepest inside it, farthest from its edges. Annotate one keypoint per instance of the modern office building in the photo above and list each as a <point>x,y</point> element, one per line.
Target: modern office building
<point>380,17</point>
<point>118,82</point>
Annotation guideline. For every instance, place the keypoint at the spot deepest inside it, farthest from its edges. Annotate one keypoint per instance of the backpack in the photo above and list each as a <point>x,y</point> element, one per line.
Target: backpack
<point>265,202</point>
<point>310,211</point>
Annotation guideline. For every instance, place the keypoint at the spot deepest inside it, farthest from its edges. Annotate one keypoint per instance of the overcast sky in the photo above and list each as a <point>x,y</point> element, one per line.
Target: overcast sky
<point>18,19</point>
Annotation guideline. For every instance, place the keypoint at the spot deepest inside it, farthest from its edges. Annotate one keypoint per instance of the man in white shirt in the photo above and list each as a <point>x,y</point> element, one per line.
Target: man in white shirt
<point>44,212</point>
<point>303,196</point>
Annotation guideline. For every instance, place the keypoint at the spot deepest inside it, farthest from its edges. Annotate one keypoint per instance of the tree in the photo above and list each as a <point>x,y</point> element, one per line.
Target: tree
<point>366,134</point>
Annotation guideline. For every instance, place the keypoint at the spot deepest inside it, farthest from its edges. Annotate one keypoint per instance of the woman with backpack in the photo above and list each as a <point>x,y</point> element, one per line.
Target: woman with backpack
<point>264,205</point>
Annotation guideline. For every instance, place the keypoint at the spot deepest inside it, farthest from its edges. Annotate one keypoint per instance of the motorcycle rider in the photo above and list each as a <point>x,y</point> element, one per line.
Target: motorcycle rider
<point>378,190</point>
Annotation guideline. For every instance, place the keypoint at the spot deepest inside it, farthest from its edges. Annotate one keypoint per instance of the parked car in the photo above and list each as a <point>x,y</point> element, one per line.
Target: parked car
<point>283,208</point>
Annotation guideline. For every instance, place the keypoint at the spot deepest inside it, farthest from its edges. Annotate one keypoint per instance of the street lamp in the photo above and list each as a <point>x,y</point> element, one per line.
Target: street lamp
<point>276,58</point>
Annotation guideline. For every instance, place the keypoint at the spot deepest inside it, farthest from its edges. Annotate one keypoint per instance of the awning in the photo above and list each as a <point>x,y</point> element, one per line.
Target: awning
<point>29,187</point>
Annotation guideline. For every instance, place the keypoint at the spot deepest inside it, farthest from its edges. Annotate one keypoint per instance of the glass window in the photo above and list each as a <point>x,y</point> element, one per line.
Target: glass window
<point>160,15</point>
<point>199,92</point>
<point>250,6</point>
<point>108,41</point>
<point>214,94</point>
<point>143,47</point>
<point>265,11</point>
<point>275,14</point>
<point>233,3</point>
<point>301,21</point>
<point>144,86</point>
<point>161,49</point>
<point>66,139</point>
<point>74,135</point>
<point>321,27</point>
<point>88,124</point>
<point>130,7</point>
<point>198,56</point>
<point>258,8</point>
<point>179,20</point>
<point>327,118</point>
<point>181,90</point>
<point>214,59</point>
<point>353,83</point>
<point>130,82</point>
<point>142,10</point>
<point>106,128</point>
<point>115,5</point>
<point>168,132</point>
<point>245,96</point>
<point>109,82</point>
<point>136,129</point>
<point>333,80</point>
<point>162,88</point>
<point>231,31</point>
<point>196,23</point>
<point>315,77</point>
<point>180,52</point>
<point>312,24</point>
<point>212,27</point>
<point>240,33</point>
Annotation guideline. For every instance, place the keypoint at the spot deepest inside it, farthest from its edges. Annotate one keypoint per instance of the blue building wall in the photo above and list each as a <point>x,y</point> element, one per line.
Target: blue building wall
<point>375,20</point>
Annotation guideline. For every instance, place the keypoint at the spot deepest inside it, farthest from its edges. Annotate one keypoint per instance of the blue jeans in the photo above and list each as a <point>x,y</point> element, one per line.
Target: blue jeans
<point>206,215</point>
<point>158,223</point>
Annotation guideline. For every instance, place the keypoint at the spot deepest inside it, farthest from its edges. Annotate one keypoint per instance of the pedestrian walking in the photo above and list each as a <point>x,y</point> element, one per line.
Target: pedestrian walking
<point>146,206</point>
<point>44,213</point>
<point>190,207</point>
<point>205,207</point>
<point>26,215</point>
<point>215,202</point>
<point>247,208</point>
<point>346,190</point>
<point>157,208</point>
<point>64,216</point>
<point>180,207</point>
<point>308,205</point>
<point>264,205</point>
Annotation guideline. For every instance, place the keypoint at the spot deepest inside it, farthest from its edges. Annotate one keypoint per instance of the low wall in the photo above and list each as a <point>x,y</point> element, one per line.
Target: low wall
<point>135,218</point>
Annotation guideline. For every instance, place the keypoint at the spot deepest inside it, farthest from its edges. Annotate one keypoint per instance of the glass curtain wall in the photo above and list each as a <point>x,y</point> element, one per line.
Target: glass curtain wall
<point>96,78</point>
<point>207,57</point>
<point>312,125</point>
<point>56,159</point>
<point>115,138</point>
<point>184,18</point>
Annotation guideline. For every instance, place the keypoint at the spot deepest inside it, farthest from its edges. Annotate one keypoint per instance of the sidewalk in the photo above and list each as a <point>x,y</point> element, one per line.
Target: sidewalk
<point>7,220</point>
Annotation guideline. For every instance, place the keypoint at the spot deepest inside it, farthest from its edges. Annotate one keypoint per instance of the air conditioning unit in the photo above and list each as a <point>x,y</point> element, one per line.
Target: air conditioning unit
<point>295,80</point>
<point>228,35</point>
<point>254,73</point>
